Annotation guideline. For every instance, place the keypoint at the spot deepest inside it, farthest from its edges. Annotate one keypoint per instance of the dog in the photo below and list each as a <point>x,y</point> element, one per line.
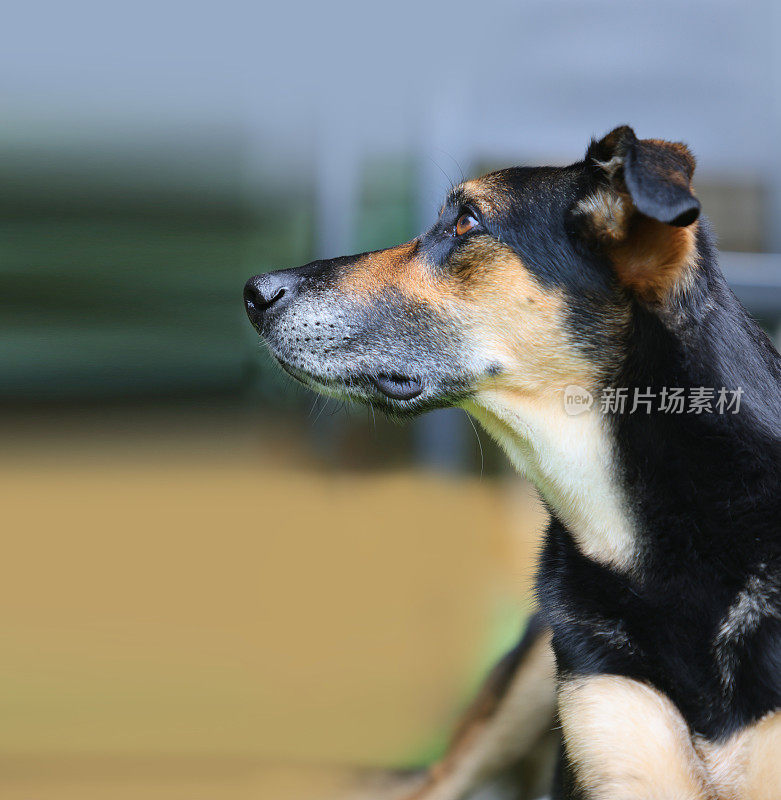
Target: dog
<point>565,308</point>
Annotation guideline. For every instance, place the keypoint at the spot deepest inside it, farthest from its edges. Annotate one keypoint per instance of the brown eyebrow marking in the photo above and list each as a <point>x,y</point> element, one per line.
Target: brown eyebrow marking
<point>489,193</point>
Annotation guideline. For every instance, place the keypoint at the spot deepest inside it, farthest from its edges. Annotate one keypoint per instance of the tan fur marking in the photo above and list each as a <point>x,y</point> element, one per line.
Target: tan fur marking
<point>649,257</point>
<point>763,770</point>
<point>513,319</point>
<point>655,258</point>
<point>748,765</point>
<point>488,193</point>
<point>627,741</point>
<point>396,268</point>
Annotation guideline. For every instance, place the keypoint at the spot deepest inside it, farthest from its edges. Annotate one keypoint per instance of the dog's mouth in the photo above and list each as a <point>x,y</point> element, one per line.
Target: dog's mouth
<point>396,393</point>
<point>391,385</point>
<point>396,386</point>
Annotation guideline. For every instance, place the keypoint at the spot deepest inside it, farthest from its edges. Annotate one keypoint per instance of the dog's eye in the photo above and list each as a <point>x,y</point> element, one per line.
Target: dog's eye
<point>465,223</point>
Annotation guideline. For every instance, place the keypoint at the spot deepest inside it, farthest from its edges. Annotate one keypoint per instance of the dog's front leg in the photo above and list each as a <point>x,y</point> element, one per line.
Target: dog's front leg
<point>624,740</point>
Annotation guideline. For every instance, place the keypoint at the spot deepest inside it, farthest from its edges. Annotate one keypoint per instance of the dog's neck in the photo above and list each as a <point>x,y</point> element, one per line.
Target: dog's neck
<point>701,483</point>
<point>633,486</point>
<point>570,460</point>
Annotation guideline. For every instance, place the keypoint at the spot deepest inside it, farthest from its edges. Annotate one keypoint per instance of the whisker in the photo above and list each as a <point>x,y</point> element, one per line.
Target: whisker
<point>479,444</point>
<point>325,405</point>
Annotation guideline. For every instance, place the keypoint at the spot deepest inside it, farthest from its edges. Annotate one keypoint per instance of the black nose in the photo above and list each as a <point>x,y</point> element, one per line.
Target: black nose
<point>264,291</point>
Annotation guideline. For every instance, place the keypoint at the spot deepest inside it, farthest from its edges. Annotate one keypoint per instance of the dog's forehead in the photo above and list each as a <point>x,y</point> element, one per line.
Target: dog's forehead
<point>508,189</point>
<point>487,192</point>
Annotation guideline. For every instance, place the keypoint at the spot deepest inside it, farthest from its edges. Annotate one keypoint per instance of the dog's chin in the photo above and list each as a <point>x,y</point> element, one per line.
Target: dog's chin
<point>396,393</point>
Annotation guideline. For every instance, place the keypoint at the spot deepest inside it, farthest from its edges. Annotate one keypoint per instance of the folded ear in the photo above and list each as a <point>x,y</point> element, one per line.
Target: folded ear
<point>641,209</point>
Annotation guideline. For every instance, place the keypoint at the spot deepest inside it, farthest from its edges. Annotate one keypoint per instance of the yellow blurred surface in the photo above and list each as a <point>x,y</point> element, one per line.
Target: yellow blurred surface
<point>179,617</point>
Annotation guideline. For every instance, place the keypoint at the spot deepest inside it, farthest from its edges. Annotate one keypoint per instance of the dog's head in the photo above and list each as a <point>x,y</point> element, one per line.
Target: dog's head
<point>524,284</point>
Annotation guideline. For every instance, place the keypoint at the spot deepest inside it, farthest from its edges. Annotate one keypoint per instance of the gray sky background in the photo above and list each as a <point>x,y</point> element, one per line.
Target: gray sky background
<point>530,78</point>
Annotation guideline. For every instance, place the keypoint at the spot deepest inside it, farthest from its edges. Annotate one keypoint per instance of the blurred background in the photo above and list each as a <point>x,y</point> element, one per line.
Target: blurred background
<point>211,577</point>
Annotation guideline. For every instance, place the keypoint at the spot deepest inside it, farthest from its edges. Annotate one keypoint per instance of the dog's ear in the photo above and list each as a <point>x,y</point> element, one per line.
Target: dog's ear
<point>640,208</point>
